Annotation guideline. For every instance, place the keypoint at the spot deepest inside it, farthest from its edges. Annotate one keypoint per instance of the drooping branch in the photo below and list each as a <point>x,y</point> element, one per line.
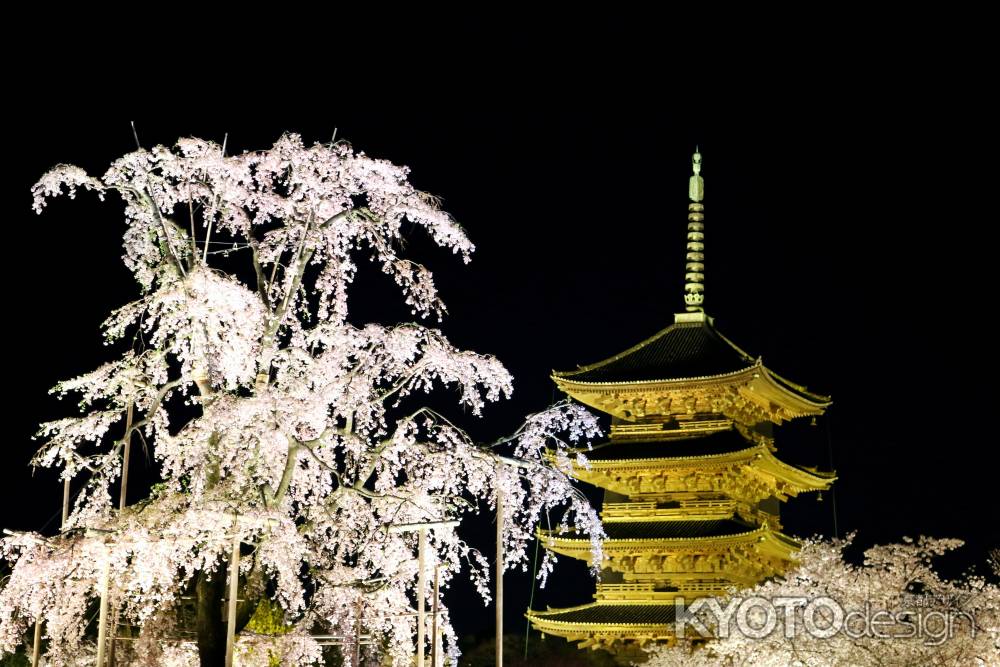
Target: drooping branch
<point>295,442</point>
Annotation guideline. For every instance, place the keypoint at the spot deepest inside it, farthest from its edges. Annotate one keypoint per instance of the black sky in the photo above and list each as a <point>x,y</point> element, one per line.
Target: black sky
<point>848,243</point>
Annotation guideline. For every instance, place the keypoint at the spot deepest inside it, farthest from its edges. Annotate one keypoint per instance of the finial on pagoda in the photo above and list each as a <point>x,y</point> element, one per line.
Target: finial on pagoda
<point>694,278</point>
<point>696,184</point>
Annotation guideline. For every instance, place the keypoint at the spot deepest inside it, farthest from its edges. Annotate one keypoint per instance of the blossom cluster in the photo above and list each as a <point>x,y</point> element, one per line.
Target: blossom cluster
<point>274,419</point>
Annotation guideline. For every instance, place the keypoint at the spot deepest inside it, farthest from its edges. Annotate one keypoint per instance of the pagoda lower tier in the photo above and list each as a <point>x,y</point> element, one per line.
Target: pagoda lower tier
<point>692,513</point>
<point>648,563</point>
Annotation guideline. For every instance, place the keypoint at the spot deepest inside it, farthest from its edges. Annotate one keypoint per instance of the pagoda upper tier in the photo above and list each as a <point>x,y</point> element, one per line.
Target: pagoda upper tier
<point>689,369</point>
<point>733,461</point>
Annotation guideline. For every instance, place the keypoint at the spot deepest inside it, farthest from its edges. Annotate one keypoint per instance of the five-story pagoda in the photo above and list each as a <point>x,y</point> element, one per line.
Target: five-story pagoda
<point>691,477</point>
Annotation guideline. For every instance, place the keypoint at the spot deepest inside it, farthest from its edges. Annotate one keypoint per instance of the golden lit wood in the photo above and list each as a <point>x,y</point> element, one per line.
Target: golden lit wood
<point>692,477</point>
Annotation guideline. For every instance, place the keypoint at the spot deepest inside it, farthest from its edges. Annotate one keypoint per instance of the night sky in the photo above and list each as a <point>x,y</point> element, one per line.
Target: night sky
<point>846,244</point>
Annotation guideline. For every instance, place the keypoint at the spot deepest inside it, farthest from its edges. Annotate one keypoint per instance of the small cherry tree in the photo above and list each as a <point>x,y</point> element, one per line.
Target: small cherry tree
<point>892,609</point>
<point>276,421</point>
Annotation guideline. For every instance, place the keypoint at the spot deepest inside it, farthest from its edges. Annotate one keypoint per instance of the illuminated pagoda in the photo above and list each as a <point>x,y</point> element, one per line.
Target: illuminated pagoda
<point>692,480</point>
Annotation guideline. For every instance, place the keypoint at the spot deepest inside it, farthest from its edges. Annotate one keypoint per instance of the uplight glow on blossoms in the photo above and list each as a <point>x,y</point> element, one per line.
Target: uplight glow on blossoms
<point>274,416</point>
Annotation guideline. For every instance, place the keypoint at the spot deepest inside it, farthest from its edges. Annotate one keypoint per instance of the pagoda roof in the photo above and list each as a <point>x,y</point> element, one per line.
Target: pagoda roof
<point>673,529</point>
<point>609,614</point>
<point>720,442</point>
<point>682,350</point>
<point>678,534</point>
<point>724,448</point>
<point>689,350</point>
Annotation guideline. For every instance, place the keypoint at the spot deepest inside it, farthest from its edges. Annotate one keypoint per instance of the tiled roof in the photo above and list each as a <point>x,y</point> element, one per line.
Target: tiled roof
<point>655,530</point>
<point>645,614</point>
<point>682,350</point>
<point>721,442</point>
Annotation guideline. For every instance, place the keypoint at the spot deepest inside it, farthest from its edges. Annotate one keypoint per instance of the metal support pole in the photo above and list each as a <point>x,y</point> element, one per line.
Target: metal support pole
<point>112,631</point>
<point>65,513</point>
<point>36,649</point>
<point>127,447</point>
<point>36,645</point>
<point>421,584</point>
<point>234,584</point>
<point>357,635</point>
<point>102,627</point>
<point>531,598</point>
<point>499,653</point>
<point>421,529</point>
<point>434,619</point>
<point>440,646</point>
<point>121,506</point>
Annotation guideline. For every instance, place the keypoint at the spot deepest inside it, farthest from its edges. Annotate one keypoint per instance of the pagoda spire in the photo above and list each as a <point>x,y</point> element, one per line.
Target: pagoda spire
<point>694,278</point>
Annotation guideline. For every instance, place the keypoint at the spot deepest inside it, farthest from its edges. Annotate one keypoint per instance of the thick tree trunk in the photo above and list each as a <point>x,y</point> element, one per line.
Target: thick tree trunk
<point>209,623</point>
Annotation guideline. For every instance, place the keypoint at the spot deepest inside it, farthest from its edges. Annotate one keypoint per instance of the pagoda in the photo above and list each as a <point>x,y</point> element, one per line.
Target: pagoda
<point>691,477</point>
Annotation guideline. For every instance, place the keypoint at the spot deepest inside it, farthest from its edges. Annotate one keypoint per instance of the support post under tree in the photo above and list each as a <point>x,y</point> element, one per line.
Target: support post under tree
<point>434,619</point>
<point>357,633</point>
<point>234,584</point>
<point>102,624</point>
<point>421,529</point>
<point>126,446</point>
<point>65,509</point>
<point>37,646</point>
<point>499,652</point>
<point>421,584</point>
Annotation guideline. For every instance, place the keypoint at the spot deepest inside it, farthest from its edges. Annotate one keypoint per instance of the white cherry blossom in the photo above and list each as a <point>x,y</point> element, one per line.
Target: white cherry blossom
<point>273,415</point>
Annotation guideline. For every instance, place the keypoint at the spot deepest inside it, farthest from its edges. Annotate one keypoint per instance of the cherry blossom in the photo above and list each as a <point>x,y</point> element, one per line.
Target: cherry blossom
<point>895,609</point>
<point>275,419</point>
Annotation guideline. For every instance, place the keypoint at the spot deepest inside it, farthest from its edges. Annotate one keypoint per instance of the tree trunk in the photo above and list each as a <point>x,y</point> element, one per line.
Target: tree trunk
<point>209,623</point>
